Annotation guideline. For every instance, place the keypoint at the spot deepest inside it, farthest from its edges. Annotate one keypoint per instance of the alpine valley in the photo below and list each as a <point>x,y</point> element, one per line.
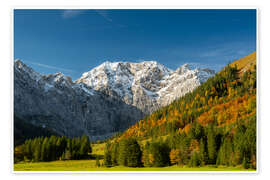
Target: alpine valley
<point>108,99</point>
<point>109,90</point>
<point>149,118</point>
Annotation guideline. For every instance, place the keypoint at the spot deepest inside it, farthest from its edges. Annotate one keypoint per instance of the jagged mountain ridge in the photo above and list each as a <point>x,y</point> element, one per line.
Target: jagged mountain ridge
<point>147,85</point>
<point>105,100</point>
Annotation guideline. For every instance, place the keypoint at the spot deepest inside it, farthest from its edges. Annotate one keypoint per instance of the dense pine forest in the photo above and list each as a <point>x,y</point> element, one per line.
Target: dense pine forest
<point>53,148</point>
<point>213,125</point>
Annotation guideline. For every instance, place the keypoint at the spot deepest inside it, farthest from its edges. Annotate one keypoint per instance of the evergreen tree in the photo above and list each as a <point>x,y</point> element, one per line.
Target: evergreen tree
<point>122,157</point>
<point>245,163</point>
<point>44,150</point>
<point>85,147</point>
<point>159,154</point>
<point>107,156</point>
<point>211,145</point>
<point>133,153</point>
<point>115,153</point>
<point>37,152</point>
<point>203,153</point>
<point>194,160</point>
<point>145,155</point>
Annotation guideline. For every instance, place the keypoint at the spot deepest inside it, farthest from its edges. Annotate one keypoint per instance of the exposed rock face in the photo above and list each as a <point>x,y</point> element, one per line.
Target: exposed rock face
<point>105,100</point>
<point>147,85</point>
<point>69,109</point>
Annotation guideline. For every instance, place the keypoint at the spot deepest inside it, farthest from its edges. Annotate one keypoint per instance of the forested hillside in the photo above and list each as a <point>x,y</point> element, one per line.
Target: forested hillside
<point>215,124</point>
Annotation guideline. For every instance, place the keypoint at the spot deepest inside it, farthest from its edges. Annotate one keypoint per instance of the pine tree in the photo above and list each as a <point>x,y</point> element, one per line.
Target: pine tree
<point>203,153</point>
<point>107,156</point>
<point>133,153</point>
<point>115,153</point>
<point>211,145</point>
<point>194,160</point>
<point>159,153</point>
<point>122,157</point>
<point>245,163</point>
<point>37,152</point>
<point>85,147</point>
<point>44,150</point>
<point>145,155</point>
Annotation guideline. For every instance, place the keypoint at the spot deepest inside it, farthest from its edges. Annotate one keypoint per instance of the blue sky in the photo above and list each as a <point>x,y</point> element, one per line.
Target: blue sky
<point>75,41</point>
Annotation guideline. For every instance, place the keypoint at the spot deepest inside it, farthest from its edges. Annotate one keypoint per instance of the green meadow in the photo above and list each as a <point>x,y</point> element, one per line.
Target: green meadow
<point>90,165</point>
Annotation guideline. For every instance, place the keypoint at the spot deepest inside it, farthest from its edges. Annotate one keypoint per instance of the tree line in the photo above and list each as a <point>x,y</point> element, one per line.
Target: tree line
<point>53,148</point>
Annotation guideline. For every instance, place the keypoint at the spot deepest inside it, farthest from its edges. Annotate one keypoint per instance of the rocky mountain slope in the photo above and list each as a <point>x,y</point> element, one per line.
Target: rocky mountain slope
<point>105,100</point>
<point>68,108</point>
<point>147,85</point>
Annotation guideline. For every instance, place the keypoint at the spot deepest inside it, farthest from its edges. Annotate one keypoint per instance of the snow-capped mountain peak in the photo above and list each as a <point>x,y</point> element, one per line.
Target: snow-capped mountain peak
<point>183,69</point>
<point>147,85</point>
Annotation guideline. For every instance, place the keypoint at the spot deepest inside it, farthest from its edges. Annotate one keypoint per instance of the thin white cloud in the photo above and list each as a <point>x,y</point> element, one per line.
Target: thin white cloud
<point>213,66</point>
<point>50,67</point>
<point>143,60</point>
<point>212,53</point>
<point>70,13</point>
<point>228,50</point>
<point>105,15</point>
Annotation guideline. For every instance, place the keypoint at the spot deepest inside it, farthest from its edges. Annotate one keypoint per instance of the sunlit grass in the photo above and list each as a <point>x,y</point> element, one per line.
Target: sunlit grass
<point>98,149</point>
<point>90,165</point>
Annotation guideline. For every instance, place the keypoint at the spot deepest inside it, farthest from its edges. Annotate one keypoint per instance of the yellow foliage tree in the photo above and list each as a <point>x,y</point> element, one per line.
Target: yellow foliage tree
<point>175,156</point>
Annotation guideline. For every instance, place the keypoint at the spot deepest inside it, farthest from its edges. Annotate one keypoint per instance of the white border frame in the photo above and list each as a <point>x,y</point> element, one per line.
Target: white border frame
<point>258,112</point>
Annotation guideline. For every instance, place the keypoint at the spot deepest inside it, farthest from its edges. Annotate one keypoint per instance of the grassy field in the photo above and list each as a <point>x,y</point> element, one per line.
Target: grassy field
<point>98,149</point>
<point>90,165</point>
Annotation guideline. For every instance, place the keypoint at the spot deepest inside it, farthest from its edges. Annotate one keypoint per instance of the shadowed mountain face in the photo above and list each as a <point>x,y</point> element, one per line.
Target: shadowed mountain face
<point>24,130</point>
<point>54,101</point>
<point>105,100</point>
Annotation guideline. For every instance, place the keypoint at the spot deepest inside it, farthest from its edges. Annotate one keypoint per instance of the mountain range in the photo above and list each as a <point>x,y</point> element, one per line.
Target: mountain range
<point>107,99</point>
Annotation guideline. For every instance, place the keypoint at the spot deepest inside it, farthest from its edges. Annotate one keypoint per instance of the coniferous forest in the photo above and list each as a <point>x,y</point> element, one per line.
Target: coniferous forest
<point>53,148</point>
